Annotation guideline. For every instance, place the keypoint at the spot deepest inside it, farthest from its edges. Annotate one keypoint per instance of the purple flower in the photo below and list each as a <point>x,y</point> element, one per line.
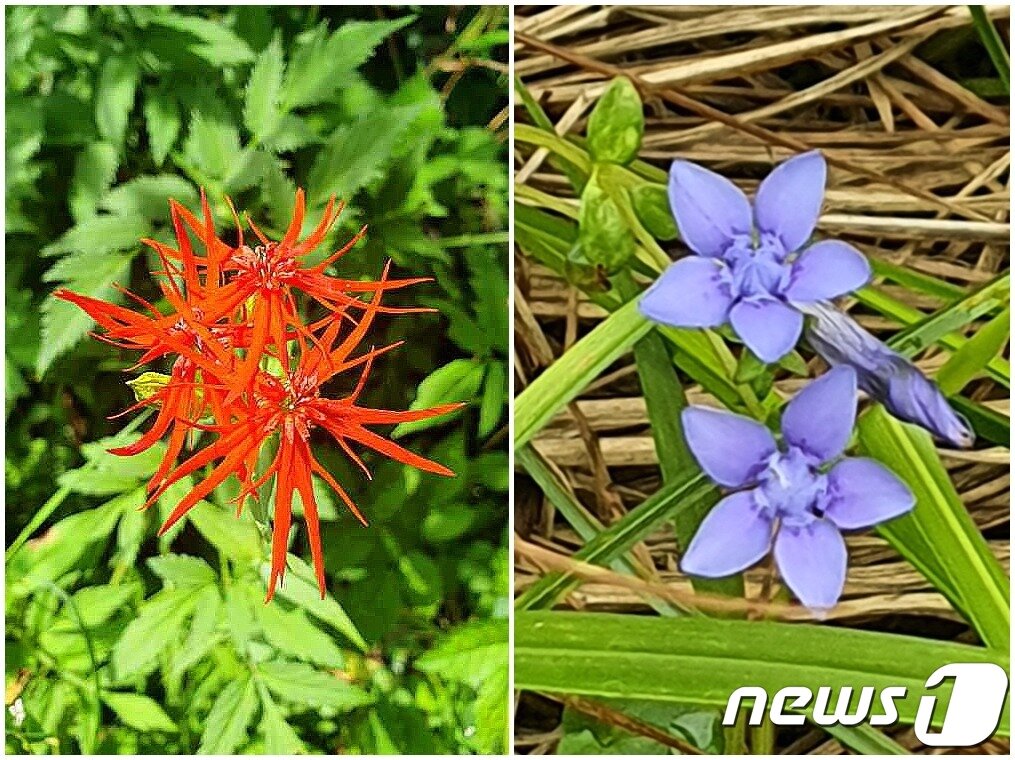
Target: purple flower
<point>747,270</point>
<point>796,497</point>
<point>885,375</point>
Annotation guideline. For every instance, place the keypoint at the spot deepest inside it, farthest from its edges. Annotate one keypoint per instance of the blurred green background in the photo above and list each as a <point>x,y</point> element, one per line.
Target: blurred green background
<point>121,642</point>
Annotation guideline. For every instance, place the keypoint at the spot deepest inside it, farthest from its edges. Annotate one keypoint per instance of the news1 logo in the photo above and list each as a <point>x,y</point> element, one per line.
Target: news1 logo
<point>971,716</point>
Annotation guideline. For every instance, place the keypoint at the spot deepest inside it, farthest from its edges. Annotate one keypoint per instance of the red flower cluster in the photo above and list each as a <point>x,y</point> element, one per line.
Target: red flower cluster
<point>247,368</point>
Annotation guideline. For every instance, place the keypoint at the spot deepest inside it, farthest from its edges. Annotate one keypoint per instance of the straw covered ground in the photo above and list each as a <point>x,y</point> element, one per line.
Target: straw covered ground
<point>903,103</point>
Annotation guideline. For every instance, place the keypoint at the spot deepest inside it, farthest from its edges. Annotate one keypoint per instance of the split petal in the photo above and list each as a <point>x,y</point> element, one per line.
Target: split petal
<point>820,418</point>
<point>768,327</point>
<point>827,269</point>
<point>862,492</point>
<point>694,292</point>
<point>812,562</point>
<point>730,448</point>
<point>731,538</point>
<point>789,199</point>
<point>710,210</point>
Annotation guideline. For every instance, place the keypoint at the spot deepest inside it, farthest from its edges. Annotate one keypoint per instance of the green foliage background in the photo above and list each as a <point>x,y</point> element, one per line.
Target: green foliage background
<point>120,642</point>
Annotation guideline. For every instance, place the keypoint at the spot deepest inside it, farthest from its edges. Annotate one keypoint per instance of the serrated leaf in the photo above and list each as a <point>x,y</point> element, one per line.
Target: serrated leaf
<point>356,154</point>
<point>261,111</point>
<point>300,588</point>
<point>323,62</point>
<point>293,634</point>
<point>181,570</point>
<point>162,118</point>
<point>211,40</point>
<point>213,144</point>
<point>138,711</point>
<point>291,133</point>
<point>232,713</point>
<point>100,234</point>
<point>96,604</point>
<point>94,170</point>
<point>202,637</point>
<point>302,684</point>
<point>469,653</point>
<point>158,624</point>
<point>279,737</point>
<point>235,537</point>
<point>148,197</point>
<point>458,380</point>
<point>252,165</point>
<point>114,98</point>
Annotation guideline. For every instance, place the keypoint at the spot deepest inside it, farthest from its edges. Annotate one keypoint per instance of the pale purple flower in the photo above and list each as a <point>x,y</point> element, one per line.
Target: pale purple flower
<point>748,270</point>
<point>795,497</point>
<point>885,375</point>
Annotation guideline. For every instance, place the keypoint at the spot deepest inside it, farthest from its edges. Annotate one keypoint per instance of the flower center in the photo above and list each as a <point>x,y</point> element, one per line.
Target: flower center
<point>791,486</point>
<point>269,265</point>
<point>758,265</point>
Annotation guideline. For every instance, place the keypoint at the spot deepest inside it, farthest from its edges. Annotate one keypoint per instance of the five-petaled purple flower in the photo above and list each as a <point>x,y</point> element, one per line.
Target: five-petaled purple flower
<point>748,270</point>
<point>788,495</point>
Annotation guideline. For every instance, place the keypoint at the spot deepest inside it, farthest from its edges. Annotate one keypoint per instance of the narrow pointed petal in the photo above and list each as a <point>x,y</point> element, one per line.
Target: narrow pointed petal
<point>820,418</point>
<point>731,449</point>
<point>710,210</point>
<point>694,292</point>
<point>731,538</point>
<point>768,327</point>
<point>826,270</point>
<point>812,562</point>
<point>862,492</point>
<point>789,199</point>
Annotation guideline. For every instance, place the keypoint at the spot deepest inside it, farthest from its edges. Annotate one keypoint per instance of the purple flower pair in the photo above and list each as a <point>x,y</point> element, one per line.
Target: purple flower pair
<point>748,270</point>
<point>797,496</point>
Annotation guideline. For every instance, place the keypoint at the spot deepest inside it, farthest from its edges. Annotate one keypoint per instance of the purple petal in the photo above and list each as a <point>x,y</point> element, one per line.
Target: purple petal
<point>731,538</point>
<point>820,418</point>
<point>709,209</point>
<point>769,327</point>
<point>862,492</point>
<point>789,199</point>
<point>694,292</point>
<point>827,269</point>
<point>812,562</point>
<point>731,449</point>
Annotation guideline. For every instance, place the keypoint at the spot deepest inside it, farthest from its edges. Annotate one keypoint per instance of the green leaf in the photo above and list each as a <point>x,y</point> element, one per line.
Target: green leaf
<point>181,570</point>
<point>293,634</point>
<point>138,711</point>
<point>470,653</point>
<point>458,380</point>
<point>617,124</point>
<point>94,171</point>
<point>148,196</point>
<point>699,660</point>
<point>938,536</point>
<point>356,154</point>
<point>211,40</point>
<point>302,684</point>
<point>159,623</point>
<point>213,144</point>
<point>651,205</point>
<point>300,588</point>
<point>972,358</point>
<point>202,636</point>
<point>280,739</point>
<point>261,111</point>
<point>236,537</point>
<point>568,376</point>
<point>324,62</point>
<point>233,711</point>
<point>114,98</point>
<point>494,397</point>
<point>96,604</point>
<point>993,42</point>
<point>162,118</point>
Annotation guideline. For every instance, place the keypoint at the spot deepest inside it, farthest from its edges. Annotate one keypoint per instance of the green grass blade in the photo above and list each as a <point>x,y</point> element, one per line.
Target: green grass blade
<point>993,43</point>
<point>988,424</point>
<point>701,660</point>
<point>938,536</point>
<point>865,740</point>
<point>617,539</point>
<point>569,375</point>
<point>973,358</point>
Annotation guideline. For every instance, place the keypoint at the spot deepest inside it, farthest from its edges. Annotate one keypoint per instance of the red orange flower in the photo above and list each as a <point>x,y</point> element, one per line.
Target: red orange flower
<point>249,371</point>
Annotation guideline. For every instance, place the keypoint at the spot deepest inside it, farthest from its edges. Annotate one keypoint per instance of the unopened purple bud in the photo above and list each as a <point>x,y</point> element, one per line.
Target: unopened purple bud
<point>884,374</point>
